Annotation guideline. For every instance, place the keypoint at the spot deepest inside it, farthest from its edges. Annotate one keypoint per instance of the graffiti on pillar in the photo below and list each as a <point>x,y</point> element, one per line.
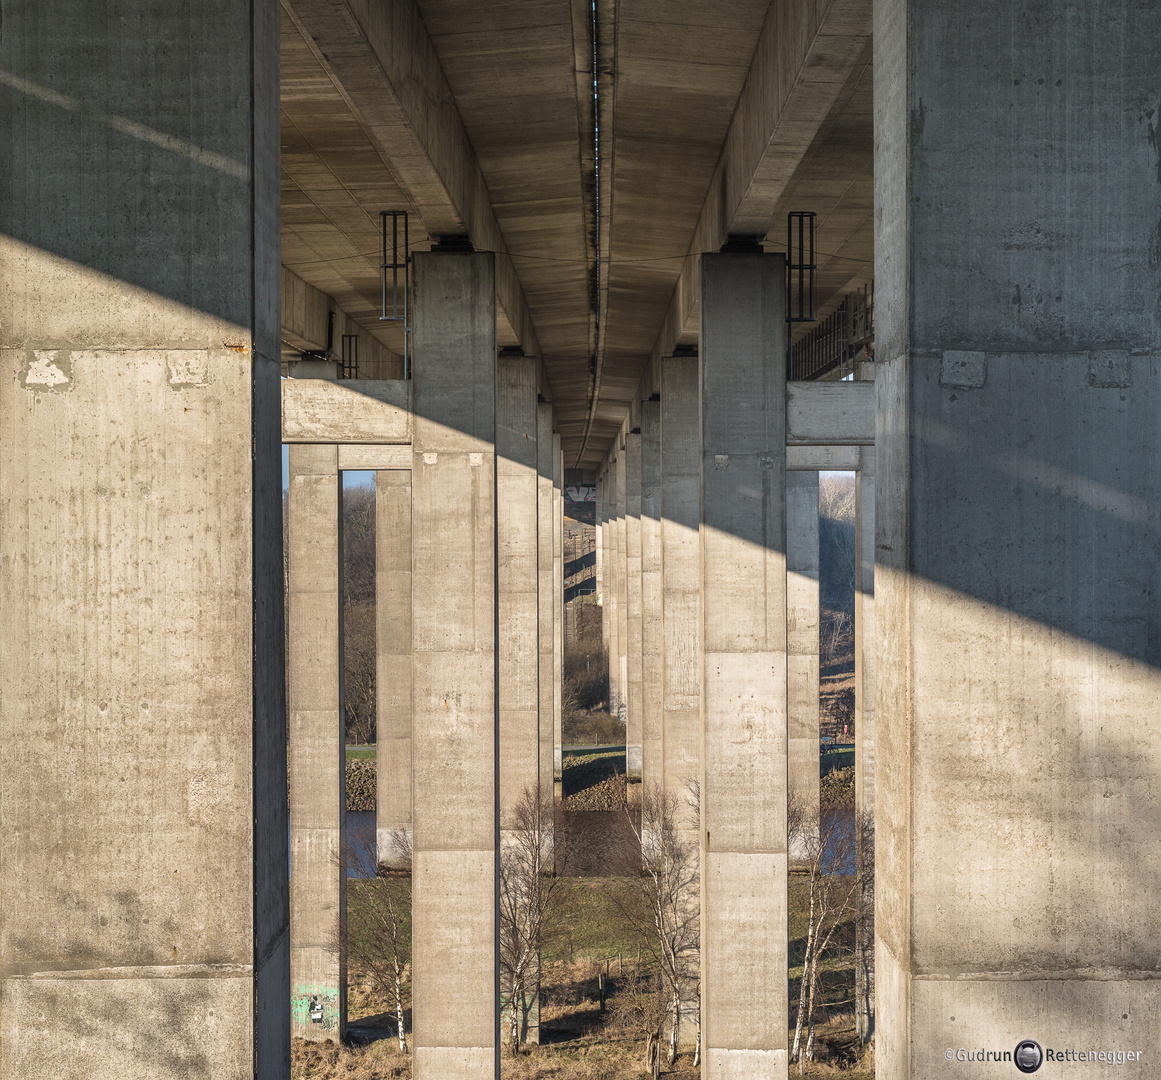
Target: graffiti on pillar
<point>315,1007</point>
<point>580,493</point>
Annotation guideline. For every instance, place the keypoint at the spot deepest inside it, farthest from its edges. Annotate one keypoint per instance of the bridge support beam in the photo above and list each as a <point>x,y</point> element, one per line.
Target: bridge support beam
<point>651,764</point>
<point>549,764</point>
<point>318,977</point>
<point>680,578</point>
<point>393,781</point>
<point>1018,542</point>
<point>743,564</point>
<point>454,667</point>
<point>633,610</point>
<point>802,643</point>
<point>142,722</point>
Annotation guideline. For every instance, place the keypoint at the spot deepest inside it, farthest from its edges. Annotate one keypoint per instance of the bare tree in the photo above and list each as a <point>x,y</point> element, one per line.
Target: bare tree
<point>529,851</point>
<point>865,932</point>
<point>360,660</point>
<point>376,930</point>
<point>826,846</point>
<point>642,1007</point>
<point>667,914</point>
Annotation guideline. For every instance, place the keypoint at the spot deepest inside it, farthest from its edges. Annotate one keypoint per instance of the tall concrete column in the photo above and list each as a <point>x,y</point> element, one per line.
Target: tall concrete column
<point>557,592</point>
<point>865,719</point>
<point>743,789</point>
<point>651,765</point>
<point>143,890</point>
<point>616,686</point>
<point>393,814</point>
<point>317,744</point>
<point>516,533</point>
<point>633,605</point>
<point>802,661</point>
<point>622,572</point>
<point>454,666</point>
<point>1018,540</point>
<point>549,766</point>
<point>517,508</point>
<point>680,575</point>
<point>602,540</point>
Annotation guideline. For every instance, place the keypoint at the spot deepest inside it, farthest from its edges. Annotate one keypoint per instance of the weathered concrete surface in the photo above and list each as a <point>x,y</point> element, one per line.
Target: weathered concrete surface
<point>680,575</point>
<point>1018,540</point>
<point>393,765</point>
<point>346,411</point>
<point>652,772</point>
<point>830,414</point>
<point>549,764</point>
<point>318,985</point>
<point>454,666</point>
<point>142,731</point>
<point>802,658</point>
<point>516,532</point>
<point>743,790</point>
<point>633,605</point>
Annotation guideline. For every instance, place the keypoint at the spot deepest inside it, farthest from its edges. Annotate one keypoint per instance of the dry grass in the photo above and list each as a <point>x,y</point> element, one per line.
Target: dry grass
<point>328,1061</point>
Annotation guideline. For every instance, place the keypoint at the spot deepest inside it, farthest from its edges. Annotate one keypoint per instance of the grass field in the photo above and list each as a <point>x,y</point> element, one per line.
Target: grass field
<point>360,753</point>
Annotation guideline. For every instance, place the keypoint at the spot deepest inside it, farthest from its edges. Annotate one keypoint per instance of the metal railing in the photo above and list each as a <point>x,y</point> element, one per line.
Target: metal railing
<point>839,343</point>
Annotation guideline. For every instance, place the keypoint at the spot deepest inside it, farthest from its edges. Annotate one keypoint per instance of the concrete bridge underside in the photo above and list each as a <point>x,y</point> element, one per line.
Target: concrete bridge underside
<point>191,209</point>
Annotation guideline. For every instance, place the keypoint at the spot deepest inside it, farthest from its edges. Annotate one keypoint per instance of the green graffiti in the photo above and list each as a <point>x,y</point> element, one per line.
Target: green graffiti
<point>315,1007</point>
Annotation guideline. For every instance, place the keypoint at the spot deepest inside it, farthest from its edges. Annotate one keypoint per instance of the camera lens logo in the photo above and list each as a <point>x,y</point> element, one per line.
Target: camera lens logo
<point>1028,1056</point>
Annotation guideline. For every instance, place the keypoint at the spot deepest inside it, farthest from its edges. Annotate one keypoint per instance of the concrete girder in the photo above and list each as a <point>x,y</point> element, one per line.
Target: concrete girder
<point>382,62</point>
<point>801,67</point>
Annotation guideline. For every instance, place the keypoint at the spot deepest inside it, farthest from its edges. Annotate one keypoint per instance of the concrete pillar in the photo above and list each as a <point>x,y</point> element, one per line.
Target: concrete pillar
<point>557,592</point>
<point>614,597</point>
<point>143,888</point>
<point>651,765</point>
<point>633,605</point>
<point>802,619</point>
<point>516,502</point>
<point>518,616</point>
<point>865,719</point>
<point>454,666</point>
<point>602,542</point>
<point>1018,541</point>
<point>743,789</point>
<point>393,815</point>
<point>680,575</point>
<point>317,744</point>
<point>622,572</point>
<point>549,766</point>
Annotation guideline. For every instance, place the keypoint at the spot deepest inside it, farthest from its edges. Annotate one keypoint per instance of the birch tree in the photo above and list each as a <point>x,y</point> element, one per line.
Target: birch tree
<point>530,852</point>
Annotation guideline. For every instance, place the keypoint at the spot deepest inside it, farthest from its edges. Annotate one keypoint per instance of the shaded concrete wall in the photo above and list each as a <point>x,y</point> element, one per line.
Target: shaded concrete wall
<point>454,669</point>
<point>802,659</point>
<point>651,619</point>
<point>318,977</point>
<point>393,765</point>
<point>143,895</point>
<point>1018,543</point>
<point>743,563</point>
